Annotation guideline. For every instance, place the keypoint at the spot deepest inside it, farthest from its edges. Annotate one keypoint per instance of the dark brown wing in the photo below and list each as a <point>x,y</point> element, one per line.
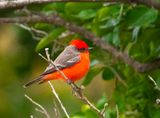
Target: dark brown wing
<point>67,58</point>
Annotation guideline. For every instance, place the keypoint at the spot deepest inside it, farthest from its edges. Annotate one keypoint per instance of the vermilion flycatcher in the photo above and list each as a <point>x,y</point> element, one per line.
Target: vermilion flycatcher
<point>74,62</point>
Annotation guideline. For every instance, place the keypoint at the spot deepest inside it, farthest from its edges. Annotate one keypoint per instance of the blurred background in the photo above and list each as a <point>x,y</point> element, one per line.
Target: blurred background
<point>131,29</point>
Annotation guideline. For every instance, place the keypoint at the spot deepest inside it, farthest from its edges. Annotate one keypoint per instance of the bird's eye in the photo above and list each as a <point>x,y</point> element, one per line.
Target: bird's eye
<point>83,49</point>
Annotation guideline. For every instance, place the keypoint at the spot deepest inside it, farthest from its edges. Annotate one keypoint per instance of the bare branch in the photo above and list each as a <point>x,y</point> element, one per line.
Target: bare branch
<point>39,110</point>
<point>104,109</point>
<point>56,111</point>
<point>42,56</point>
<point>156,87</point>
<point>117,110</point>
<point>20,3</point>
<point>154,82</point>
<point>57,97</point>
<point>57,20</point>
<point>150,3</point>
<point>38,105</point>
<point>36,34</point>
<point>53,90</point>
<point>118,76</point>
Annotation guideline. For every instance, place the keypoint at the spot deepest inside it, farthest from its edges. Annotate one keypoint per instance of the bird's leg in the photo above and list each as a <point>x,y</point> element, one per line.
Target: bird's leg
<point>76,88</point>
<point>77,91</point>
<point>73,85</point>
<point>69,81</point>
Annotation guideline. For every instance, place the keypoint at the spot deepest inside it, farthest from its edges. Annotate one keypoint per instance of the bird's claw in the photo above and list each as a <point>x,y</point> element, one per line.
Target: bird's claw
<point>69,82</point>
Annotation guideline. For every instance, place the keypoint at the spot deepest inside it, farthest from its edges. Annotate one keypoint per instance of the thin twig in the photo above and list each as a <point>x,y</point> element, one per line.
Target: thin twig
<point>51,62</point>
<point>56,111</point>
<point>57,97</point>
<point>154,82</point>
<point>117,110</point>
<point>66,34</point>
<point>118,76</point>
<point>39,110</point>
<point>53,90</point>
<point>42,56</point>
<point>20,3</point>
<point>156,87</point>
<point>37,104</point>
<point>33,31</point>
<point>104,108</point>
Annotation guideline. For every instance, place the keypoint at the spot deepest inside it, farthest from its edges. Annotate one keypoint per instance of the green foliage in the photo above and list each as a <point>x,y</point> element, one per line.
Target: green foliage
<point>51,36</point>
<point>87,14</point>
<point>75,8</point>
<point>134,30</point>
<point>91,74</point>
<point>108,74</point>
<point>131,29</point>
<point>141,16</point>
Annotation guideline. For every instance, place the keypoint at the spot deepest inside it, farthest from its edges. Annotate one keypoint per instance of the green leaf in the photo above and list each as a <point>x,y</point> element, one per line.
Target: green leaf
<point>74,8</point>
<point>141,16</point>
<point>107,74</point>
<point>107,13</point>
<point>86,14</point>
<point>58,7</point>
<point>116,39</point>
<point>110,23</point>
<point>113,37</point>
<point>44,26</point>
<point>101,102</point>
<point>135,32</point>
<point>91,74</point>
<point>78,115</point>
<point>158,84</point>
<point>51,36</point>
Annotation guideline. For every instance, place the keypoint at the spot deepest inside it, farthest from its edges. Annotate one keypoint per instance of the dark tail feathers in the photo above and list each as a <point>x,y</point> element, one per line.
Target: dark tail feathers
<point>37,80</point>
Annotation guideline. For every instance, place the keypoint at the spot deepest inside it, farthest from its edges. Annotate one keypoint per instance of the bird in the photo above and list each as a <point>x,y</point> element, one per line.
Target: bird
<point>73,62</point>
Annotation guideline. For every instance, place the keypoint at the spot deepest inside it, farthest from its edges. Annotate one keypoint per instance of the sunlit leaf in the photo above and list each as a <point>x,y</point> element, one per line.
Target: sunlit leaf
<point>86,14</point>
<point>58,7</point>
<point>135,32</point>
<point>101,102</point>
<point>44,26</point>
<point>107,13</point>
<point>113,37</point>
<point>51,36</point>
<point>74,8</point>
<point>110,23</point>
<point>141,16</point>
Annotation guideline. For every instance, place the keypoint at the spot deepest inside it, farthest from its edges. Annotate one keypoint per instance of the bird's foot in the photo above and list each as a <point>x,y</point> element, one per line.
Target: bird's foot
<point>69,81</point>
<point>77,91</point>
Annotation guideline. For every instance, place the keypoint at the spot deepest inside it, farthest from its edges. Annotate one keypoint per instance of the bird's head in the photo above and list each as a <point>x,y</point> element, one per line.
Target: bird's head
<point>80,45</point>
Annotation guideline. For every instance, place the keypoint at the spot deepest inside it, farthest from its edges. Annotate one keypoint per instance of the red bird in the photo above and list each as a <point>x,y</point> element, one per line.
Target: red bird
<point>74,62</point>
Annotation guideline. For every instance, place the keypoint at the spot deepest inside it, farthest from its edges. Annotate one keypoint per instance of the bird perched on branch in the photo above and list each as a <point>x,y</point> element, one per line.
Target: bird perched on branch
<point>74,62</point>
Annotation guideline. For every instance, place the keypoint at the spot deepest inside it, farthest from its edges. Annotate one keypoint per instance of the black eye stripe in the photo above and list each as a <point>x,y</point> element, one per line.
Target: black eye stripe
<point>83,49</point>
